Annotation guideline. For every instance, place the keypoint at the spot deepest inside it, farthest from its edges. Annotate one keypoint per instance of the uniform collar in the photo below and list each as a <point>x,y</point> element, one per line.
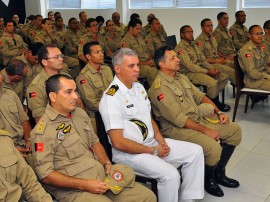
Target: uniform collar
<point>222,28</point>
<point>44,74</point>
<point>124,90</point>
<point>5,76</point>
<point>92,69</point>
<point>167,77</point>
<point>53,114</point>
<point>185,42</point>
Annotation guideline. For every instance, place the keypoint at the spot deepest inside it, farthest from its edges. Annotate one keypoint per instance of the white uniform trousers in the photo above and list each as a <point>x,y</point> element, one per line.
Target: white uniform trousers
<point>170,189</point>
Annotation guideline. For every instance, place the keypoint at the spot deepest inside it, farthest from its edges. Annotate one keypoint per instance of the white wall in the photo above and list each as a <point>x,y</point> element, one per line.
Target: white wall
<point>172,19</point>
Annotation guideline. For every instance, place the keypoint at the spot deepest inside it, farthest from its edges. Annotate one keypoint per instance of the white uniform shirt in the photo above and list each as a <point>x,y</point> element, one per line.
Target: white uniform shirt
<point>124,105</point>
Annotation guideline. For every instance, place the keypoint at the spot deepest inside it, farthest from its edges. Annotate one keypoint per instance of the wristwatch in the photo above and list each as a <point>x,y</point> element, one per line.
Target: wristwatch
<point>155,153</point>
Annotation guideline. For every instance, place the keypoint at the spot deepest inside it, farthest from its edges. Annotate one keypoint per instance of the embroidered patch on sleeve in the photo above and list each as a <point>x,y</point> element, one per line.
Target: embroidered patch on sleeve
<point>32,94</point>
<point>83,81</point>
<point>39,146</point>
<point>160,97</point>
<point>248,55</point>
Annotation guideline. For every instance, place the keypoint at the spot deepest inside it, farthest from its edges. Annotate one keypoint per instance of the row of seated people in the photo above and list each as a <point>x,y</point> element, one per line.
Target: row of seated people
<point>132,100</point>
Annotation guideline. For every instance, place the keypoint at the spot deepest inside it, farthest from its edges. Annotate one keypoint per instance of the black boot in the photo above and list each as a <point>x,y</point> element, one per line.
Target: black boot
<point>221,106</point>
<point>220,174</point>
<point>210,185</point>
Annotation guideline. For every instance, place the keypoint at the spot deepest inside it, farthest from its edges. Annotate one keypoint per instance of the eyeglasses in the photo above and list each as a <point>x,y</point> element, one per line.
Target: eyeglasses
<point>56,57</point>
<point>258,33</point>
<point>15,42</point>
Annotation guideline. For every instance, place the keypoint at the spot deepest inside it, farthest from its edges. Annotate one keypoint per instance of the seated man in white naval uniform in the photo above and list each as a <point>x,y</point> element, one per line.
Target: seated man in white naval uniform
<point>125,106</point>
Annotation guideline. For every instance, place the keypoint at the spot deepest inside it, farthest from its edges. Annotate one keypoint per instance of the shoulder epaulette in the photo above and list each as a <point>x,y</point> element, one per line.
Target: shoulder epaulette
<point>41,125</point>
<point>36,79</point>
<point>157,82</point>
<point>112,90</point>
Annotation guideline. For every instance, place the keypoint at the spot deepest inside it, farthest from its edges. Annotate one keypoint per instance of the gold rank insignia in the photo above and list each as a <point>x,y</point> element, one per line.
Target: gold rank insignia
<point>112,90</point>
<point>157,82</point>
<point>40,126</point>
<point>60,127</point>
<point>181,98</point>
<point>67,129</point>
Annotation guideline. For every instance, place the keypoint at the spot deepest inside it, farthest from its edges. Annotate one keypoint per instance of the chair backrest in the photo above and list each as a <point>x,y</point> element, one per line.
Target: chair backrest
<point>171,41</point>
<point>239,74</point>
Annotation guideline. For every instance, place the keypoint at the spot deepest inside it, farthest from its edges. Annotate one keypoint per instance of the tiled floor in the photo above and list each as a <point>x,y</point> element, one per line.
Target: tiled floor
<point>250,163</point>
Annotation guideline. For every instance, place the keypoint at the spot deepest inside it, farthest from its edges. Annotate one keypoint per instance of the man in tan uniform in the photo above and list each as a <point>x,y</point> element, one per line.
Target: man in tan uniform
<point>198,70</point>
<point>36,28</point>
<point>223,37</point>
<point>94,79</point>
<point>119,26</point>
<point>14,75</point>
<point>51,59</point>
<point>208,45</point>
<point>92,35</point>
<point>266,41</point>
<point>239,31</point>
<point>14,120</point>
<point>154,39</point>
<point>252,59</point>
<point>83,18</point>
<point>147,28</point>
<point>134,41</point>
<point>112,37</point>
<point>186,114</point>
<point>17,178</point>
<point>1,26</point>
<point>72,38</point>
<point>69,159</point>
<point>11,44</point>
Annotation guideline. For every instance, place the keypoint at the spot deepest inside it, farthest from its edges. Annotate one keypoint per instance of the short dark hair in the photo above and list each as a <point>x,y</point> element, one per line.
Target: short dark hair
<point>183,28</point>
<point>238,12</point>
<point>80,14</point>
<point>108,22</point>
<point>9,21</point>
<point>44,20</point>
<point>250,30</point>
<point>87,46</point>
<point>35,47</point>
<point>89,21</point>
<point>159,55</point>
<point>53,83</point>
<point>57,13</point>
<point>204,21</point>
<point>134,22</point>
<point>49,13</point>
<point>43,53</point>
<point>266,25</point>
<point>152,21</point>
<point>30,17</point>
<point>134,16</point>
<point>100,19</point>
<point>37,16</point>
<point>15,67</point>
<point>71,19</point>
<point>220,15</point>
<point>57,18</point>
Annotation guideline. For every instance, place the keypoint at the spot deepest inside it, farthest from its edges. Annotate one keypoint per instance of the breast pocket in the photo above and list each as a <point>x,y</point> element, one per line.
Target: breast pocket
<point>131,110</point>
<point>73,145</point>
<point>8,168</point>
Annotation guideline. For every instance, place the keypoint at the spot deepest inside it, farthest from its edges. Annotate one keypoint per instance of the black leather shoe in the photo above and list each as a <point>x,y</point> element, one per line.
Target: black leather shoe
<point>226,181</point>
<point>223,107</point>
<point>211,187</point>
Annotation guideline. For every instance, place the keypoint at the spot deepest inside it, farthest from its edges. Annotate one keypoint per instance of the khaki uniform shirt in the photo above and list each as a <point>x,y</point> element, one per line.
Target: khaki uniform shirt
<point>191,58</point>
<point>82,28</point>
<point>88,38</point>
<point>147,30</point>
<point>33,32</point>
<point>178,93</point>
<point>113,40</point>
<point>72,42</point>
<point>63,144</point>
<point>253,63</point>
<point>12,115</point>
<point>61,34</point>
<point>36,94</point>
<point>154,41</point>
<point>25,29</point>
<point>1,31</point>
<point>32,71</point>
<point>11,46</point>
<point>239,35</point>
<point>120,29</point>
<point>207,45</point>
<point>91,85</point>
<point>266,46</point>
<point>16,177</point>
<point>224,41</point>
<point>44,38</point>
<point>16,87</point>
<point>137,44</point>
